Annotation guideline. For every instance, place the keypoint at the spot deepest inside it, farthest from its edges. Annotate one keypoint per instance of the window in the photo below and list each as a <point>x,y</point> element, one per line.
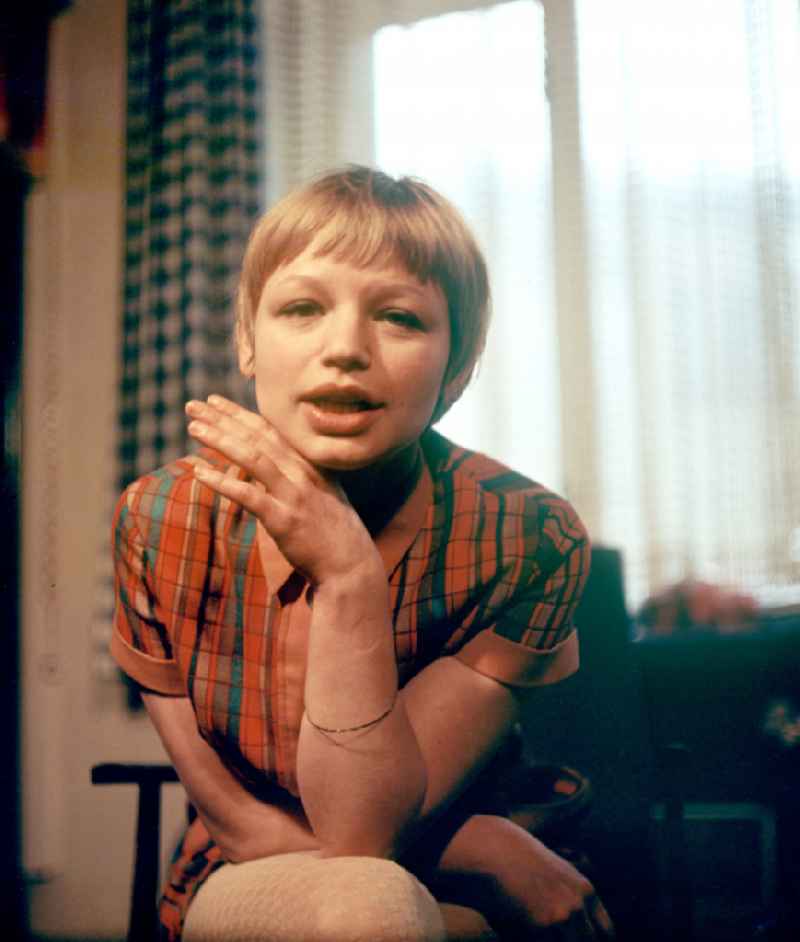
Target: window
<point>471,118</point>
<point>639,204</point>
<point>688,193</point>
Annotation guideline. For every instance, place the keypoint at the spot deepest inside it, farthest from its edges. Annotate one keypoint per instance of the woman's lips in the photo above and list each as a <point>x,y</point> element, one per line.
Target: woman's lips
<point>341,417</point>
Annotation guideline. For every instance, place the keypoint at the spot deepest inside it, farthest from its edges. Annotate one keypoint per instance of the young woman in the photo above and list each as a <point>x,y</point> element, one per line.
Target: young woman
<point>333,612</point>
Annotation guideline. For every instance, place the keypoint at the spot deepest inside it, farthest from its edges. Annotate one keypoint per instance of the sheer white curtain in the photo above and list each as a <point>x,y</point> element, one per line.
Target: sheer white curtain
<point>317,59</point>
<point>471,117</point>
<point>637,197</point>
<point>690,134</point>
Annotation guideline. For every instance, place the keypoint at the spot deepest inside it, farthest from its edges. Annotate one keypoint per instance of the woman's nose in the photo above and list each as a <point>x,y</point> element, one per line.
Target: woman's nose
<point>347,341</point>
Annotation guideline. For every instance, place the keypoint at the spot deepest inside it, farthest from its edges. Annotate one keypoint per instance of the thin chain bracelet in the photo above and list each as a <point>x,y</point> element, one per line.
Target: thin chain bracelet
<point>355,729</point>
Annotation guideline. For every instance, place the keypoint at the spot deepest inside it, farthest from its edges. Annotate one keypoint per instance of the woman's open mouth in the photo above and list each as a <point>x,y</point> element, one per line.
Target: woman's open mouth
<point>344,406</point>
<point>341,411</point>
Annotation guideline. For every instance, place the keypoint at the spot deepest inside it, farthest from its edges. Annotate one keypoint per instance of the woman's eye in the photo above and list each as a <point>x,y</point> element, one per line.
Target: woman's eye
<point>300,308</point>
<point>403,318</point>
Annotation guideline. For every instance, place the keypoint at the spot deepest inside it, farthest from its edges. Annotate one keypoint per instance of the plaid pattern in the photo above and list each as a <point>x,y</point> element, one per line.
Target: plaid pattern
<point>495,555</point>
<point>192,196</point>
<point>193,862</point>
<point>498,552</point>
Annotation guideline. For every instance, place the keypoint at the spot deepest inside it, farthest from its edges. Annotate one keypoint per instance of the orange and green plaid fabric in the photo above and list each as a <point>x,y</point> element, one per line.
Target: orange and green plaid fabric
<point>482,563</point>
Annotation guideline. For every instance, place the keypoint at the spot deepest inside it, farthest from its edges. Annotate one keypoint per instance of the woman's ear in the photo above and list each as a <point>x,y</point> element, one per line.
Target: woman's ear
<point>245,350</point>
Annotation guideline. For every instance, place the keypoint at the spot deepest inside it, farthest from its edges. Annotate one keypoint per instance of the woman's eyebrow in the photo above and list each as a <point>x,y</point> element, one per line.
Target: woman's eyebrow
<point>400,287</point>
<point>379,289</point>
<point>303,281</point>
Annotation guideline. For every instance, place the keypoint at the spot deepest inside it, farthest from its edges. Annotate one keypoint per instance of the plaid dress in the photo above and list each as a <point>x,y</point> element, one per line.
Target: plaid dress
<point>483,564</point>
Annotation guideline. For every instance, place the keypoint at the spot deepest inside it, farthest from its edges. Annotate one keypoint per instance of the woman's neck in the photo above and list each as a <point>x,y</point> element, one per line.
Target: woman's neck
<point>378,491</point>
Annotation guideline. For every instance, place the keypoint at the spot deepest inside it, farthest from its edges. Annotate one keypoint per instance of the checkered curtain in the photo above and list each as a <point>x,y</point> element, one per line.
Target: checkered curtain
<point>193,191</point>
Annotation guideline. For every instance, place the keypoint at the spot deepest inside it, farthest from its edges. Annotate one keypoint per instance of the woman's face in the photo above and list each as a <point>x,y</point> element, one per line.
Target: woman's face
<point>348,362</point>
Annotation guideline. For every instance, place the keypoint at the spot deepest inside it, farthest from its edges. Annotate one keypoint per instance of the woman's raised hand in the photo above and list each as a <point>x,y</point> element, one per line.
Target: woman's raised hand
<point>304,510</point>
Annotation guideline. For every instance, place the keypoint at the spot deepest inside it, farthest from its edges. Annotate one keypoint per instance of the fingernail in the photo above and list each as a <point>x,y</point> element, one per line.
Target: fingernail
<point>200,471</point>
<point>197,428</point>
<point>215,400</point>
<point>193,407</point>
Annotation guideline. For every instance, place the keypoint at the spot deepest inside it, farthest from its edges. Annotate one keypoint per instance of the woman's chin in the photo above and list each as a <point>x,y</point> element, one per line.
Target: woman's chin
<point>338,456</point>
<point>344,460</point>
<point>334,466</point>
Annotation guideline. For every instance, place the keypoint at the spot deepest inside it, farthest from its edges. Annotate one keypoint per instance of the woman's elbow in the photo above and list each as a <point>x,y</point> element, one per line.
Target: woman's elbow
<point>383,829</point>
<point>366,842</point>
<point>358,845</point>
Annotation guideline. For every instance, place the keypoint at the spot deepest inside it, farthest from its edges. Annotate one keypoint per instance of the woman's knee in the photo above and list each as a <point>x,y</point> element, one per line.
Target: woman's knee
<point>302,896</point>
<point>376,900</point>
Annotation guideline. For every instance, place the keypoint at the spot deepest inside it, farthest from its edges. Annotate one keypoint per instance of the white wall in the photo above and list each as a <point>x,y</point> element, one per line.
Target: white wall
<point>77,839</point>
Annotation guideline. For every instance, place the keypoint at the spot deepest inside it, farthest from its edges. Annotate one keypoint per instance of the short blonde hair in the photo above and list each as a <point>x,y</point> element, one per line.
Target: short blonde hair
<point>366,217</point>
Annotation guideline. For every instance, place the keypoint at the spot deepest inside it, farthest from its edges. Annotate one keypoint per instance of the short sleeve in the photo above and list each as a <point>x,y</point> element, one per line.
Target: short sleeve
<point>531,638</point>
<point>140,642</point>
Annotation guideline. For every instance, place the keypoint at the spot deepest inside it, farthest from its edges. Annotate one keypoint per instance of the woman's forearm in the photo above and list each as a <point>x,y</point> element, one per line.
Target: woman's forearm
<point>243,827</point>
<point>360,789</point>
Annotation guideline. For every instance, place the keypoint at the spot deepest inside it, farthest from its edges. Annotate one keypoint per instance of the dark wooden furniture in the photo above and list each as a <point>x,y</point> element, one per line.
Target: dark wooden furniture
<point>142,923</point>
<point>711,693</point>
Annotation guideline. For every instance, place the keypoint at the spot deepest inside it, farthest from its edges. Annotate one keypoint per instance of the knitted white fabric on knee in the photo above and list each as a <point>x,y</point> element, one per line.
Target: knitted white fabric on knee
<point>302,898</point>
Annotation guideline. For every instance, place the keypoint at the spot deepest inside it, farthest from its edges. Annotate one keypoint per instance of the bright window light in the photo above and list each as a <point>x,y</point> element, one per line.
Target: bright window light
<point>460,102</point>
